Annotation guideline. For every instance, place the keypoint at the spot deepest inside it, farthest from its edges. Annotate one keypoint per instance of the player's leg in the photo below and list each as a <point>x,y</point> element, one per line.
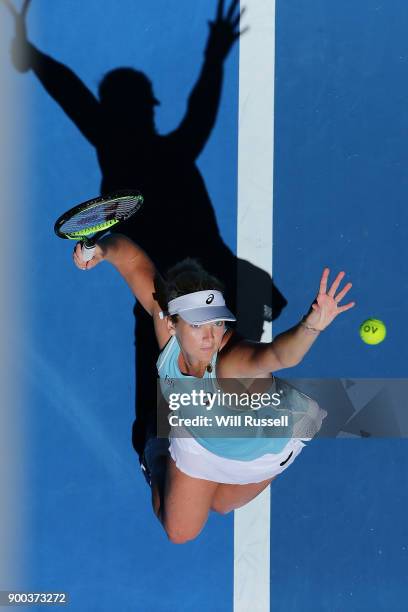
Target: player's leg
<point>229,497</point>
<point>181,503</point>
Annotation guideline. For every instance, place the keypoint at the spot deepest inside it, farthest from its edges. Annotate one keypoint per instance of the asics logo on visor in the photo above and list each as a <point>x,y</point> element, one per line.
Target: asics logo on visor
<point>209,299</point>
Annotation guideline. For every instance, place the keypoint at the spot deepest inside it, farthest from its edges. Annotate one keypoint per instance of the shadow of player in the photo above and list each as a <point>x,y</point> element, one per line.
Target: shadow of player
<point>177,219</point>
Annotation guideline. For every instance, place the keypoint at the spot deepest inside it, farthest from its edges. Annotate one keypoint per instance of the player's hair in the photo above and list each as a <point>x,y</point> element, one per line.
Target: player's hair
<point>187,276</point>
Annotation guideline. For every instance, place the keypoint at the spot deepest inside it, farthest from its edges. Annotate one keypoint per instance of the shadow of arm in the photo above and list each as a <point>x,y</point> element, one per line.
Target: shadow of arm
<point>204,99</point>
<point>63,85</point>
<point>199,120</point>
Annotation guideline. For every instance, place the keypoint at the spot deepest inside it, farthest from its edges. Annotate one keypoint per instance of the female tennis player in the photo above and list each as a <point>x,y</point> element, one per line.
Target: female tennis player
<point>191,479</point>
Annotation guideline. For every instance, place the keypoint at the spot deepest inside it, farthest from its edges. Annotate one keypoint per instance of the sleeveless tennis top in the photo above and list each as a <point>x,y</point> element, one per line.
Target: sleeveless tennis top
<point>232,447</point>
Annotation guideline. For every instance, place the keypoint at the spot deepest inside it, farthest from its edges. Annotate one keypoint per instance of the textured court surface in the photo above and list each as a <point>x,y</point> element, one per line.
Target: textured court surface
<point>338,538</point>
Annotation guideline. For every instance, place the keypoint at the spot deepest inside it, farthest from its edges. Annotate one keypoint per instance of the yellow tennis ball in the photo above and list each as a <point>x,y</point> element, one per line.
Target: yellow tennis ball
<point>373,331</point>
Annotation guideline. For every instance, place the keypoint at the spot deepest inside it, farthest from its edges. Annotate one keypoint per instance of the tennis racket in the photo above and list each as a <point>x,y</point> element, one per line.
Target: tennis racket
<point>90,220</point>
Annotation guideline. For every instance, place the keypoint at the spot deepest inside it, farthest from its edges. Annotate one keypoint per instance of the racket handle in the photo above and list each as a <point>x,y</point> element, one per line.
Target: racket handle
<point>87,251</point>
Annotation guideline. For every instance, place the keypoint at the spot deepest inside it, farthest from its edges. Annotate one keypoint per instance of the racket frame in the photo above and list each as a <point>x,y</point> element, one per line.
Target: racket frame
<point>91,235</point>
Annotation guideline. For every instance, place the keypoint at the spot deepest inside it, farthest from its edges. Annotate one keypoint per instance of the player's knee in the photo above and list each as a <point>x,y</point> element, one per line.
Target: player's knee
<point>180,534</point>
<point>178,538</point>
<point>221,508</point>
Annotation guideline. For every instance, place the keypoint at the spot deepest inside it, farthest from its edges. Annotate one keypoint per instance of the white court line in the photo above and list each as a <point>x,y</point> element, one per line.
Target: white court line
<point>254,243</point>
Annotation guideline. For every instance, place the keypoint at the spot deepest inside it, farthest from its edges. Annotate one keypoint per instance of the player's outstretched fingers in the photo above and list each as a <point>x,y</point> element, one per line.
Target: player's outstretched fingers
<point>336,283</point>
<point>346,307</point>
<point>343,292</point>
<point>323,281</point>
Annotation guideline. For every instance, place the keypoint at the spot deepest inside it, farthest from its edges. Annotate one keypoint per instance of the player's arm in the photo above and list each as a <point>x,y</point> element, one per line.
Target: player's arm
<point>247,359</point>
<point>136,268</point>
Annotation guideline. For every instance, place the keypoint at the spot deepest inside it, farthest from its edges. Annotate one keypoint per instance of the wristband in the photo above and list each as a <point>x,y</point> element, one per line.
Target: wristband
<point>309,327</point>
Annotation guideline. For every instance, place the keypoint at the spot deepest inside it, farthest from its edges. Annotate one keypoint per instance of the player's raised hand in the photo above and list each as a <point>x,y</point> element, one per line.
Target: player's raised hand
<point>86,265</point>
<point>224,30</point>
<point>326,307</point>
<point>19,46</point>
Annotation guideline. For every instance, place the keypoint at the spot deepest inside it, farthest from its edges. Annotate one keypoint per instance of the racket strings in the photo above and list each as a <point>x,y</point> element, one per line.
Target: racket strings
<point>100,216</point>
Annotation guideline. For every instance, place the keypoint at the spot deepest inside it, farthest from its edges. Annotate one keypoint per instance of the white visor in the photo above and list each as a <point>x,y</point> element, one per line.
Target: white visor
<point>201,307</point>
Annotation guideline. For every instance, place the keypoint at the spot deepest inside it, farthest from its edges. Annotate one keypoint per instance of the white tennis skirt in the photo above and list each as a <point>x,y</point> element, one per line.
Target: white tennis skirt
<point>196,461</point>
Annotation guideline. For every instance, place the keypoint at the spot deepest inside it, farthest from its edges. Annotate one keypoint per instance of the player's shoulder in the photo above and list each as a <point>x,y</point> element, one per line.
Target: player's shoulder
<point>234,341</point>
<point>233,351</point>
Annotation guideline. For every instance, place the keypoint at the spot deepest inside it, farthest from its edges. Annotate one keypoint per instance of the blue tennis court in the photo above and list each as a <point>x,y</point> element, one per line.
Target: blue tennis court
<point>338,535</point>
